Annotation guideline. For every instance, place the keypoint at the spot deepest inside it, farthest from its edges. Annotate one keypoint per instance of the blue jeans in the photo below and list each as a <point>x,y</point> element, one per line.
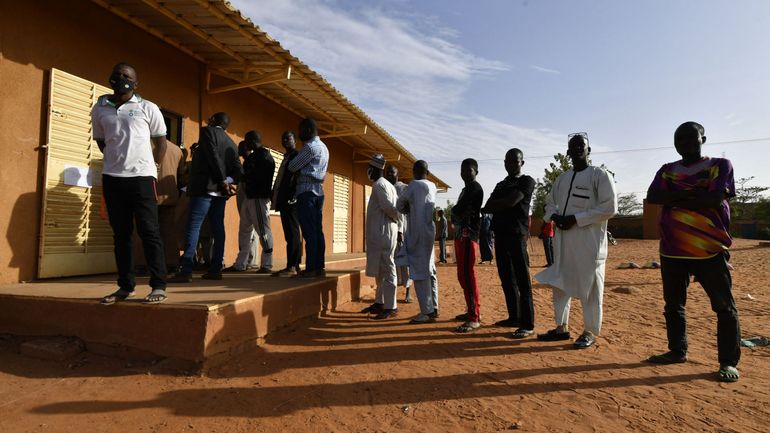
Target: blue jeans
<point>442,249</point>
<point>200,207</point>
<point>310,213</point>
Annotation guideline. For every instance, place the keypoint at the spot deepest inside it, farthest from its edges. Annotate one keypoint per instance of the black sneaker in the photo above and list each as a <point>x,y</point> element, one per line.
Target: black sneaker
<point>230,269</point>
<point>180,278</point>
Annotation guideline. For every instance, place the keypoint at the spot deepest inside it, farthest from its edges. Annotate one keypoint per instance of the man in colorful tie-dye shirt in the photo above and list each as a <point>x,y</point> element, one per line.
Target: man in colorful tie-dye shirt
<point>694,240</point>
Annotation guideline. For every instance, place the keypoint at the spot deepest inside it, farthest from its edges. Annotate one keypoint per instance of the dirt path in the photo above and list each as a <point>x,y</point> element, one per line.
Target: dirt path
<point>345,373</point>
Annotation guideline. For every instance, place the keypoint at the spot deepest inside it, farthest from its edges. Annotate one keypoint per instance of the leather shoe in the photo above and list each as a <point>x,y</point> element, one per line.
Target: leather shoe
<point>180,278</point>
<point>210,276</point>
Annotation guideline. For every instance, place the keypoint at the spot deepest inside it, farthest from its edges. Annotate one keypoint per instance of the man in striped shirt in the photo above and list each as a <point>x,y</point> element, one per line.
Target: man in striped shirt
<point>310,167</point>
<point>694,240</point>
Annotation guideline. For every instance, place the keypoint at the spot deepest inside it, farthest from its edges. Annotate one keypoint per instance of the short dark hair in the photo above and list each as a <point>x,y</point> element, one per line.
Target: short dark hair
<point>576,138</point>
<point>124,64</point>
<point>691,125</point>
<point>309,125</point>
<point>422,164</point>
<point>470,162</point>
<point>516,151</point>
<point>222,119</point>
<point>253,135</point>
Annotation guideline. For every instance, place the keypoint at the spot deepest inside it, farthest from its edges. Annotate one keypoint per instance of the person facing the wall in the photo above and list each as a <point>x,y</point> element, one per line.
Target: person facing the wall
<point>310,166</point>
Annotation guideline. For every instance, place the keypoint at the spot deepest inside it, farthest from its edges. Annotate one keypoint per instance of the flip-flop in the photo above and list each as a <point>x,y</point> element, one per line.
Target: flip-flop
<point>522,333</point>
<point>155,297</point>
<point>728,373</point>
<point>119,295</point>
<point>468,327</point>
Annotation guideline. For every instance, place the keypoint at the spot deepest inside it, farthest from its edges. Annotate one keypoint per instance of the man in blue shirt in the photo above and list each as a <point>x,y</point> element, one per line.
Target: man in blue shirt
<point>310,167</point>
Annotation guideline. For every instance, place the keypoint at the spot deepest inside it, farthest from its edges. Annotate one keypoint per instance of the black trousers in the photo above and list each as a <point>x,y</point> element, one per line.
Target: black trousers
<point>291,233</point>
<point>548,249</point>
<point>513,268</point>
<point>127,199</point>
<point>714,276</point>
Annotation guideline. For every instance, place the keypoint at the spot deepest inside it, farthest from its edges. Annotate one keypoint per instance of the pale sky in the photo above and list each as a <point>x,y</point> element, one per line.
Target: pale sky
<point>453,79</point>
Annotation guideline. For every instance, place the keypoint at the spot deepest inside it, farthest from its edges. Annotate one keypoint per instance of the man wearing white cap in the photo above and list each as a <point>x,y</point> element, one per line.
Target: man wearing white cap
<point>381,238</point>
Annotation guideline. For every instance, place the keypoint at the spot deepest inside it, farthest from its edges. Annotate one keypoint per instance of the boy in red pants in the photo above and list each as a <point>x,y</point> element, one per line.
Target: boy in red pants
<point>466,218</point>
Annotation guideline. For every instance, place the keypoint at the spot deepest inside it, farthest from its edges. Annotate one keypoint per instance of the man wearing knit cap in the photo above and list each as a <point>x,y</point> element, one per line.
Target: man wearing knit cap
<point>381,238</point>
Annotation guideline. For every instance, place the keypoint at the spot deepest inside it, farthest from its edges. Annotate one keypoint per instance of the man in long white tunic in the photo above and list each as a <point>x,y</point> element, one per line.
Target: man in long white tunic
<point>580,202</point>
<point>381,237</point>
<point>419,201</point>
<point>402,264</point>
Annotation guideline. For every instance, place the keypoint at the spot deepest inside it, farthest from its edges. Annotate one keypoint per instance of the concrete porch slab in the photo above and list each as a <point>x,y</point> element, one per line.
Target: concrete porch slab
<point>202,323</point>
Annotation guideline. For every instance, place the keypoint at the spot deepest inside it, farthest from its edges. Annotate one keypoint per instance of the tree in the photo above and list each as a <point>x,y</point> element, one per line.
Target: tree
<point>543,186</point>
<point>628,204</point>
<point>749,202</point>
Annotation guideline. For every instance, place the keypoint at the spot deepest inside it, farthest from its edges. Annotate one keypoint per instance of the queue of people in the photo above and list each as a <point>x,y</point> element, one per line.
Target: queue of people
<point>400,225</point>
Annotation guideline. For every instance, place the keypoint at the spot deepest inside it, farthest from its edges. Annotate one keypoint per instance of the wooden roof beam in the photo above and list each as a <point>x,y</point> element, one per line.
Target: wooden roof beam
<point>173,16</point>
<point>271,77</point>
<point>347,131</point>
<point>151,30</point>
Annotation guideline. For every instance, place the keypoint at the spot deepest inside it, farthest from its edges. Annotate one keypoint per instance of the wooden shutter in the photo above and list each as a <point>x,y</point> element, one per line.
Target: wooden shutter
<point>341,211</point>
<point>74,240</point>
<point>278,157</point>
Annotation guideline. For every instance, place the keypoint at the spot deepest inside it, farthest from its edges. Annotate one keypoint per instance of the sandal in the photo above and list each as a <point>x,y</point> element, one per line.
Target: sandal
<point>728,373</point>
<point>667,358</point>
<point>119,295</point>
<point>522,333</point>
<point>554,335</point>
<point>468,327</point>
<point>155,297</point>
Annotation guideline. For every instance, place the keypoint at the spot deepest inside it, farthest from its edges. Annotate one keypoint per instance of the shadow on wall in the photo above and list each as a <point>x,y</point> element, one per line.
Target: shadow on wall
<point>20,238</point>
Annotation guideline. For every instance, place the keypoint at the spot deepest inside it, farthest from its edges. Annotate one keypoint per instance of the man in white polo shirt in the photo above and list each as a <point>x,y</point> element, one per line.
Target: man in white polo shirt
<point>125,127</point>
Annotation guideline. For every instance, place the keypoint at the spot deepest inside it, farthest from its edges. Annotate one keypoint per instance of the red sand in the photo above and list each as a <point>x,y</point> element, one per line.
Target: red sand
<point>343,372</point>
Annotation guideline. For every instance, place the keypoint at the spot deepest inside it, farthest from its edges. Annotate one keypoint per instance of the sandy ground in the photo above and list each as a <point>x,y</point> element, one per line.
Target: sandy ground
<point>342,372</point>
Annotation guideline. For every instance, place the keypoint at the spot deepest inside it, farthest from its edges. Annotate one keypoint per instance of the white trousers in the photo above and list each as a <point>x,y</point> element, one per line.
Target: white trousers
<point>592,308</point>
<point>386,290</point>
<point>255,216</point>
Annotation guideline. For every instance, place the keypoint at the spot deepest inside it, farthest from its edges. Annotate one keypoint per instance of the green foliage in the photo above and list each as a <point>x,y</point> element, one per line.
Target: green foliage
<point>749,202</point>
<point>628,205</point>
<point>543,186</point>
<point>447,211</point>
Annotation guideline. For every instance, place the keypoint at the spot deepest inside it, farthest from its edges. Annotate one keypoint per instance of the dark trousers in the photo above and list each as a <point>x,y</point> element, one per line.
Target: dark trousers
<point>714,276</point>
<point>548,249</point>
<point>129,199</point>
<point>442,249</point>
<point>513,268</point>
<point>310,213</point>
<point>291,233</point>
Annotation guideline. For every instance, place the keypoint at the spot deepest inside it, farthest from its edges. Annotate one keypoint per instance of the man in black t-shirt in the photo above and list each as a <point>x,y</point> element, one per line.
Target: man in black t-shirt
<point>509,206</point>
<point>466,218</point>
<point>258,169</point>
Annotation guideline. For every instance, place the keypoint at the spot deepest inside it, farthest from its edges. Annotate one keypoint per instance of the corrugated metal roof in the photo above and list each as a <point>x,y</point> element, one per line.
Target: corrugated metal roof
<point>231,46</point>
